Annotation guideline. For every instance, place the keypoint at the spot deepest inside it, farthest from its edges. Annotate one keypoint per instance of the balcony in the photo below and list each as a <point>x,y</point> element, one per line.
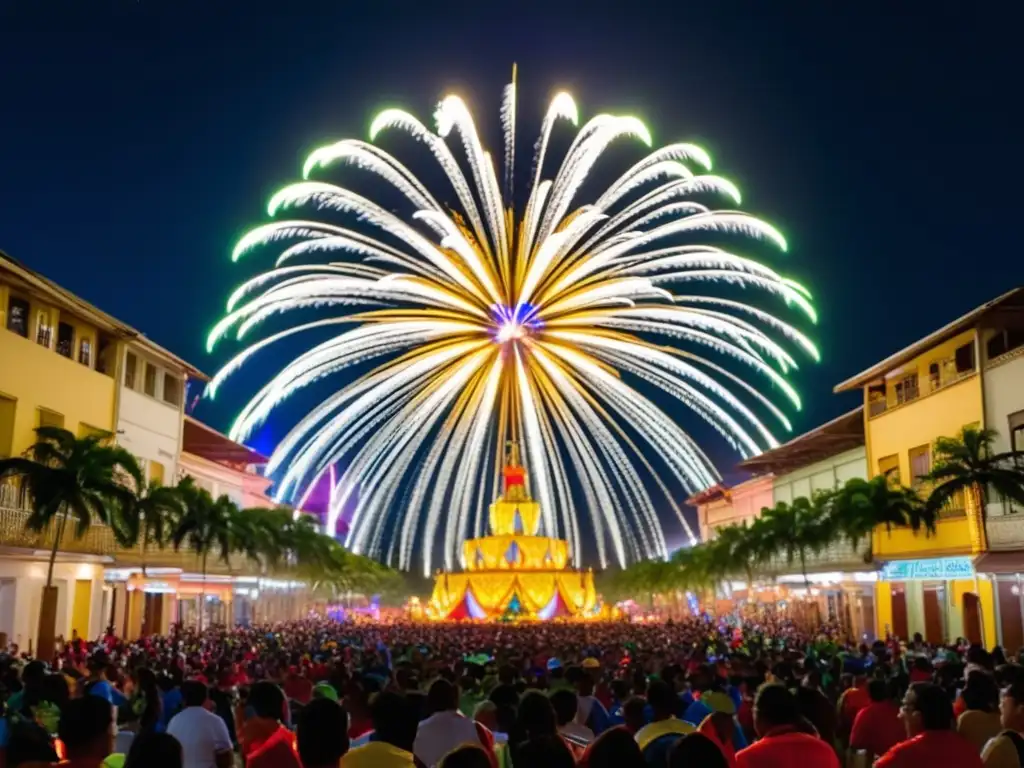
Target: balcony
<point>99,540</point>
<point>186,559</point>
<point>14,514</point>
<point>909,391</point>
<point>1005,531</point>
<point>838,556</point>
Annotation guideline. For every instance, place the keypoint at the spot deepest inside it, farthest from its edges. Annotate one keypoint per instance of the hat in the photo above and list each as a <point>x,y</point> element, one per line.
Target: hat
<point>591,663</point>
<point>717,701</point>
<point>325,691</point>
<point>554,663</point>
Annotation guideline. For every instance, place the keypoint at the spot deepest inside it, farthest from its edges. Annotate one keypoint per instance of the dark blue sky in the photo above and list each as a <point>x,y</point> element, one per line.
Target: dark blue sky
<point>139,139</point>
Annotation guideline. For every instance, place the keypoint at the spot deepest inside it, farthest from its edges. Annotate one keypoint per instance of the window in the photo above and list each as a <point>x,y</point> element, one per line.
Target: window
<point>47,418</point>
<point>920,462</point>
<point>1016,424</point>
<point>964,357</point>
<point>65,339</point>
<point>172,390</point>
<point>105,352</point>
<point>44,333</point>
<point>7,407</point>
<point>906,389</point>
<point>17,316</point>
<point>1004,340</point>
<point>131,364</point>
<point>85,352</point>
<point>934,376</point>
<point>889,467</point>
<point>156,472</point>
<point>150,383</point>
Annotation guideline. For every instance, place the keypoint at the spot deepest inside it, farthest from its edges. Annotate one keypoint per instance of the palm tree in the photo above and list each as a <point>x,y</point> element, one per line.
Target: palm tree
<point>966,465</point>
<point>798,529</point>
<point>70,478</point>
<point>208,526</point>
<point>149,518</point>
<point>742,547</point>
<point>860,506</point>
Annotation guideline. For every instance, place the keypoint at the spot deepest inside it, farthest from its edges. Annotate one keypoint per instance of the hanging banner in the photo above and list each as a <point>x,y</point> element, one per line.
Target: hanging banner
<point>938,568</point>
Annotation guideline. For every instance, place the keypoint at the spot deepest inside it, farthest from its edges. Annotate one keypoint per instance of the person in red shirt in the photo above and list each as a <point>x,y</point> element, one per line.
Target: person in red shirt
<point>877,728</point>
<point>266,743</point>
<point>784,738</point>
<point>851,702</point>
<point>931,739</point>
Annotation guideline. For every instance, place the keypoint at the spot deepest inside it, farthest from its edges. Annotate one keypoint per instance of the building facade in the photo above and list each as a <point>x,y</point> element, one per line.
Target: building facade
<point>960,376</point>
<point>67,364</point>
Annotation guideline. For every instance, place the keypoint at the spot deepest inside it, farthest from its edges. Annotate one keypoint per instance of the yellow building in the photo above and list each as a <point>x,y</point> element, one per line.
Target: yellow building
<point>65,363</point>
<point>931,389</point>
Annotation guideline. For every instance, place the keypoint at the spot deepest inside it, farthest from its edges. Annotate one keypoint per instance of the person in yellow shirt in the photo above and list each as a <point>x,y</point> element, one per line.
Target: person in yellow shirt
<point>395,721</point>
<point>1007,749</point>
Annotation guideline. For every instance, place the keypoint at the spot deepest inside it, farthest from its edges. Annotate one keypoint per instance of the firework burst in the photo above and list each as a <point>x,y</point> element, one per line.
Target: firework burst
<point>481,324</point>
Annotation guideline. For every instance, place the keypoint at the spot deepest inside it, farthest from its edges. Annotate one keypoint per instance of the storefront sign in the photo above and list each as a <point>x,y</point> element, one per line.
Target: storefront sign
<point>939,568</point>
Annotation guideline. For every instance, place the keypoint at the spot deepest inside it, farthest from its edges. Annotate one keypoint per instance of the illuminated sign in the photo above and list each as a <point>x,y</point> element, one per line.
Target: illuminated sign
<point>941,568</point>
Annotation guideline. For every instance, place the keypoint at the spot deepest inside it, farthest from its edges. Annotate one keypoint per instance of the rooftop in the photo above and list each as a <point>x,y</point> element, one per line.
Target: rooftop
<point>1011,303</point>
<point>831,438</point>
<point>206,442</point>
<point>28,279</point>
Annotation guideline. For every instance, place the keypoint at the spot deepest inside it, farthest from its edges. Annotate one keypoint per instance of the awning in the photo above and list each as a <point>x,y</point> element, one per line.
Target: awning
<point>1000,562</point>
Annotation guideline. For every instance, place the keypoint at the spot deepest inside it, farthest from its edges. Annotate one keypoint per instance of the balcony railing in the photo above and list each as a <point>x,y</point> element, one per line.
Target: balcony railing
<point>1005,531</point>
<point>912,392</point>
<point>98,540</point>
<point>838,556</point>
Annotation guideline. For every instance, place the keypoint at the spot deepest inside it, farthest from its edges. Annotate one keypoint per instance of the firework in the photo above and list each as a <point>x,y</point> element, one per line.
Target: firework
<point>480,324</point>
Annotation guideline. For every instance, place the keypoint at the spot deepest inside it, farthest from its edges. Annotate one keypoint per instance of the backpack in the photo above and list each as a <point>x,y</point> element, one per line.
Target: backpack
<point>1018,742</point>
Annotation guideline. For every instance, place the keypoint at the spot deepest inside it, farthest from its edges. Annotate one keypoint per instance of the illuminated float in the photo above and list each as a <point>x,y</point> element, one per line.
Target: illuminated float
<point>514,574</point>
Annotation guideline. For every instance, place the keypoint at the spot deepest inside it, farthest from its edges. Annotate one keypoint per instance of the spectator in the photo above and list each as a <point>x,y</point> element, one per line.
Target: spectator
<point>322,734</point>
<point>928,717</point>
<point>633,716</point>
<point>784,738</point>
<point>615,748</point>
<point>446,728</point>
<point>204,738</point>
<point>1007,749</point>
<point>566,705</point>
<point>665,728</point>
<point>877,727</point>
<point>696,750</point>
<point>466,756</point>
<point>28,744</point>
<point>87,731</point>
<point>395,722</point>
<point>544,752</point>
<point>266,742</point>
<point>155,750</point>
<point>979,722</point>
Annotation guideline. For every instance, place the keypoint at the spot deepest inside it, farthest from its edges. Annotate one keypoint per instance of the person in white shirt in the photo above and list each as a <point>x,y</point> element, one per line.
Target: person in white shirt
<point>446,728</point>
<point>203,735</point>
<point>566,705</point>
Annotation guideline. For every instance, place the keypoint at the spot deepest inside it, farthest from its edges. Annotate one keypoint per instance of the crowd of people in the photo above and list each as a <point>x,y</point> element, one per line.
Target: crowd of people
<point>704,692</point>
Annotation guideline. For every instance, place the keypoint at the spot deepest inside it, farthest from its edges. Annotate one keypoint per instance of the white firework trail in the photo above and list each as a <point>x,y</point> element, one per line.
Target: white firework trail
<point>483,322</point>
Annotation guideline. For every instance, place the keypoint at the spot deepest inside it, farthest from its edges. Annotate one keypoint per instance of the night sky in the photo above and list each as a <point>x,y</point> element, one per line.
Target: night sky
<point>139,139</point>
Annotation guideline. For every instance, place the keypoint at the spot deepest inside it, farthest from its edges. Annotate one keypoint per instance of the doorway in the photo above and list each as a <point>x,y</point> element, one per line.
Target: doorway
<point>934,629</point>
<point>1010,618</point>
<point>899,611</point>
<point>972,618</point>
